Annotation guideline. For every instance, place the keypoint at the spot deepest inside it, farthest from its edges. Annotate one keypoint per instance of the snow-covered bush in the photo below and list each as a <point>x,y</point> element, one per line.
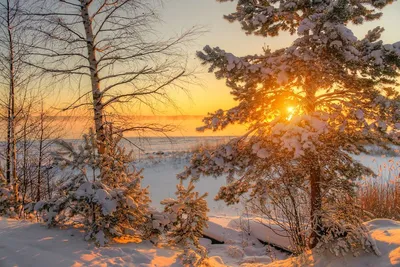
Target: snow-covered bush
<point>157,225</point>
<point>9,206</point>
<point>188,215</point>
<point>7,200</point>
<point>102,192</point>
<point>286,206</point>
<point>344,230</point>
<point>194,257</point>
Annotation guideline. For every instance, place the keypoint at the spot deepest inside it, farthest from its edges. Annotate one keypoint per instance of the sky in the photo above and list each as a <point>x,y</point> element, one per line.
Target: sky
<point>209,94</point>
<point>213,94</point>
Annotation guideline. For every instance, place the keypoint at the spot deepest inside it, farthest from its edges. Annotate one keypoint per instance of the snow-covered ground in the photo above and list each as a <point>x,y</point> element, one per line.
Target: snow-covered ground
<point>160,177</point>
<point>32,244</point>
<point>27,244</point>
<point>387,237</point>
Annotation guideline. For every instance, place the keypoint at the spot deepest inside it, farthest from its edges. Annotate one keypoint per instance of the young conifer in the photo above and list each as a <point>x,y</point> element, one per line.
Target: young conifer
<point>111,203</point>
<point>188,213</point>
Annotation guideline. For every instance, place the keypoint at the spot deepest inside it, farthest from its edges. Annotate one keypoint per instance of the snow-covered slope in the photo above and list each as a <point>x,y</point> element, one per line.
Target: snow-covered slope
<point>235,228</point>
<point>32,244</point>
<point>25,244</point>
<point>29,244</point>
<point>387,236</point>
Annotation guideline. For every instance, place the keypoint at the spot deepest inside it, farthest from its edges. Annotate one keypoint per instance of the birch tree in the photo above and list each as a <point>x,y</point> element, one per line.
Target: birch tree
<point>308,107</point>
<point>109,46</point>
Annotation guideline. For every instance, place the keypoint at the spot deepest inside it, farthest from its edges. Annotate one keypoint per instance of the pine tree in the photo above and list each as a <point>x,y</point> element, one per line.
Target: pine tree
<point>112,203</point>
<point>308,107</point>
<point>188,214</point>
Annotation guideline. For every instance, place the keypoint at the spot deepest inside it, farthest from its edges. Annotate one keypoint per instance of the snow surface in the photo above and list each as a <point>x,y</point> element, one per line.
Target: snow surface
<point>32,244</point>
<point>387,237</point>
<point>231,229</point>
<point>160,176</point>
<point>27,244</point>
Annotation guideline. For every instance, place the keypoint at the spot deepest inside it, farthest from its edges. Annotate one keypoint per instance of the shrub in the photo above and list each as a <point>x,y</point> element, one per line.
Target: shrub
<point>380,196</point>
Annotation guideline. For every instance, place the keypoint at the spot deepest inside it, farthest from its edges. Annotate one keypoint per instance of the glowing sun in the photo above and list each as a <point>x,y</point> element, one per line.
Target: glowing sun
<point>290,112</point>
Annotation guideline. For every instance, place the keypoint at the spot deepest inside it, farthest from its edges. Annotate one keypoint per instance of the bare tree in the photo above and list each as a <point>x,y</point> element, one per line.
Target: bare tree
<point>38,129</point>
<point>12,51</point>
<point>110,46</point>
<point>26,143</point>
<point>47,132</point>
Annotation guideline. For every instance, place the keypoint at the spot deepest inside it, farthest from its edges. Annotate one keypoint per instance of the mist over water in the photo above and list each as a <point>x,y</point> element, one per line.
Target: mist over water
<point>183,126</point>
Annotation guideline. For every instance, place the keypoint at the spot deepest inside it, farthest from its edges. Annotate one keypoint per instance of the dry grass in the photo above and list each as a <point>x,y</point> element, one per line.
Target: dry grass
<point>380,196</point>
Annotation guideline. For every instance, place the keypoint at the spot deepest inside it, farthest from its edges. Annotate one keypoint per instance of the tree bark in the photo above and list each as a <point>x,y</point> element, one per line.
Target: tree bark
<point>12,153</point>
<point>94,75</point>
<point>2,177</point>
<point>39,175</point>
<point>8,156</point>
<point>48,184</point>
<point>25,164</point>
<point>316,205</point>
<point>315,184</point>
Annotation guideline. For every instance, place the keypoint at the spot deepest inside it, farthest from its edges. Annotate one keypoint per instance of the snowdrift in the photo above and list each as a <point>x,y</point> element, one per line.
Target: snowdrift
<point>387,237</point>
<point>28,244</point>
<point>228,229</point>
<point>25,244</point>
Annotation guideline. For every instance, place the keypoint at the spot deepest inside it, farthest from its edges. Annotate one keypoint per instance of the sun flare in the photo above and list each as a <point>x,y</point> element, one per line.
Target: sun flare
<point>290,112</point>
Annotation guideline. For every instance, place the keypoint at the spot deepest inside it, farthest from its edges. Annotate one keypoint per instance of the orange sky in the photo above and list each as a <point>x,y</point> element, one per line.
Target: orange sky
<point>212,94</point>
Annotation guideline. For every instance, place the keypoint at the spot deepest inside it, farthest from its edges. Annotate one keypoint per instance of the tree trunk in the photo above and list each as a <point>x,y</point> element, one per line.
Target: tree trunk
<point>25,164</point>
<point>12,156</point>
<point>39,174</point>
<point>48,184</point>
<point>315,184</point>
<point>8,152</point>
<point>95,80</point>
<point>316,205</point>
<point>2,177</point>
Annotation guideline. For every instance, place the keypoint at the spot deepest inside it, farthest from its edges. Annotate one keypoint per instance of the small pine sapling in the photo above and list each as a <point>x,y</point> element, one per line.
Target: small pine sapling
<point>188,213</point>
<point>8,205</point>
<point>110,203</point>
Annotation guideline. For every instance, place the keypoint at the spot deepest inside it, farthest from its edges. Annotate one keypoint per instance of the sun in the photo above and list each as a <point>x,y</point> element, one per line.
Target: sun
<point>290,112</point>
